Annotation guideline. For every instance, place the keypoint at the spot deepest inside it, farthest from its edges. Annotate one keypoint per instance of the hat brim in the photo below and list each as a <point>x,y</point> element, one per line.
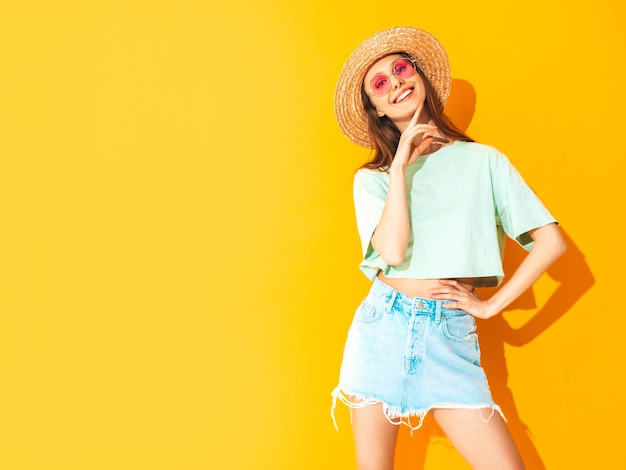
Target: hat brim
<point>421,45</point>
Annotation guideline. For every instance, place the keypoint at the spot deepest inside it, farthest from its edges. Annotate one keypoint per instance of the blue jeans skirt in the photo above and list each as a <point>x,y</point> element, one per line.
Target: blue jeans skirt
<point>412,355</point>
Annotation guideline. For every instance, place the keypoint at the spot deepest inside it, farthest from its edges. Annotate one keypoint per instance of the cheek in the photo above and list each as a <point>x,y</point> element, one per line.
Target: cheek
<point>420,88</point>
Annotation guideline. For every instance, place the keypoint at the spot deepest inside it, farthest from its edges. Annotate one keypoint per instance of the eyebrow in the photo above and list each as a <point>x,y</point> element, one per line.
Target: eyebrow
<point>382,70</point>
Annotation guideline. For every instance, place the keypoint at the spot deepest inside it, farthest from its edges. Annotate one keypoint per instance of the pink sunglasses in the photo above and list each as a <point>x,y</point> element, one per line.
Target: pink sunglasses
<point>380,85</point>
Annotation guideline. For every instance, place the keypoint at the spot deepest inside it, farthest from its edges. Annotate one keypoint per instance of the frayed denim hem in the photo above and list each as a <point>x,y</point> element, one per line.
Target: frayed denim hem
<point>396,416</point>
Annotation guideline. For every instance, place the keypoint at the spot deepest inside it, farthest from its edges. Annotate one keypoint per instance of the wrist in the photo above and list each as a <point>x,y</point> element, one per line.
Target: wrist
<point>397,169</point>
<point>492,308</point>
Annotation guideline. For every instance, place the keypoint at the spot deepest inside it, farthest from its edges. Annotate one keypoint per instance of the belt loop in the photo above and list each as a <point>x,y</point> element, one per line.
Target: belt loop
<point>438,305</point>
<point>391,300</point>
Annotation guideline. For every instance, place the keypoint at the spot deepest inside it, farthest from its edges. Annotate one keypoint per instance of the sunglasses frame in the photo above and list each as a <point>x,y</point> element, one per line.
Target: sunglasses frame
<point>393,68</point>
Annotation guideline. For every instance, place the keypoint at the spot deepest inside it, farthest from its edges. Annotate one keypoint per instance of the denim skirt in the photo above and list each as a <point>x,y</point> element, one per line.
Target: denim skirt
<point>412,355</point>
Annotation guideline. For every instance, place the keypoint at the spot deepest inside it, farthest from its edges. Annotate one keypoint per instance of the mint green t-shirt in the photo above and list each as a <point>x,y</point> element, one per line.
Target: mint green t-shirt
<point>462,199</point>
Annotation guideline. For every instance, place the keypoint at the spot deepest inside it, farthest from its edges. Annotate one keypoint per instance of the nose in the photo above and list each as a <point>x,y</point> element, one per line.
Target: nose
<point>397,81</point>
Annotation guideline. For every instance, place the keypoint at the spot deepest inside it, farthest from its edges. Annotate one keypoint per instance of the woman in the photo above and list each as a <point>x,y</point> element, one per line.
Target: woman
<point>432,209</point>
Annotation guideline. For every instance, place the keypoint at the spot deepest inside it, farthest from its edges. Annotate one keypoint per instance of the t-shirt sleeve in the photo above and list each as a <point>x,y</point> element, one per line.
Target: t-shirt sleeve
<point>370,193</point>
<point>518,209</point>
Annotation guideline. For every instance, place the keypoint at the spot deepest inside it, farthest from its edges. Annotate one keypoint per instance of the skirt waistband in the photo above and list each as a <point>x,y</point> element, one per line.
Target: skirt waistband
<point>406,303</point>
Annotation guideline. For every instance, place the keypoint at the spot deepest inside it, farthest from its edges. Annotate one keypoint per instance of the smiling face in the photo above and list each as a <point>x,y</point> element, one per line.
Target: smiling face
<point>403,89</point>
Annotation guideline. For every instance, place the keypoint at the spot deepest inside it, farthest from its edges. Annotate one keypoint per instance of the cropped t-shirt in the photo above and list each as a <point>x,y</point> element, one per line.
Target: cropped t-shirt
<point>463,199</point>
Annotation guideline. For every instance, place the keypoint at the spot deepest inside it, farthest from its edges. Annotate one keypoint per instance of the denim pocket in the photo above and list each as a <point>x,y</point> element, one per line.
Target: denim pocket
<point>460,328</point>
<point>461,331</point>
<point>367,313</point>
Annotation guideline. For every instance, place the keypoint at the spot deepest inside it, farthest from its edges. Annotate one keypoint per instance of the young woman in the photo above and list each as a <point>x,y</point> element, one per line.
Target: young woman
<point>432,209</point>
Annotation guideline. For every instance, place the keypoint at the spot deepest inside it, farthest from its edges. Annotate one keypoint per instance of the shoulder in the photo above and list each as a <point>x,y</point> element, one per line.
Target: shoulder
<point>370,183</point>
<point>369,177</point>
<point>483,155</point>
<point>477,149</point>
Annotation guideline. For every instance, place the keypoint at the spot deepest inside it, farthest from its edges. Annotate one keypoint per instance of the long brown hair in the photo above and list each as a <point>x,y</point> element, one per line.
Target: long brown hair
<point>386,135</point>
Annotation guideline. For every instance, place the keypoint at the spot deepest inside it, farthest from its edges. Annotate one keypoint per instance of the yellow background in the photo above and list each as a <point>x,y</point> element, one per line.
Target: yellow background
<point>178,254</point>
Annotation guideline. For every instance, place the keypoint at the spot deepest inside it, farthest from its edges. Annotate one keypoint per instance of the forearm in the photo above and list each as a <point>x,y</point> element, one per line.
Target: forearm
<point>391,237</point>
<point>548,246</point>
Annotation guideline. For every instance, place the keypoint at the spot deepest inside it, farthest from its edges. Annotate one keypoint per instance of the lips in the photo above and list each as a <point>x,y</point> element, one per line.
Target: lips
<point>404,94</point>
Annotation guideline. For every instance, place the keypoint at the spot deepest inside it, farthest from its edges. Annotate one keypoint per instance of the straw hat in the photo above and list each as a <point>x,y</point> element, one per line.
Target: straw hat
<point>431,59</point>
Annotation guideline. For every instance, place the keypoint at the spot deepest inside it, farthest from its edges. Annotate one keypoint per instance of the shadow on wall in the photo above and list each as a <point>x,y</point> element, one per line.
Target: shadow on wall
<point>574,278</point>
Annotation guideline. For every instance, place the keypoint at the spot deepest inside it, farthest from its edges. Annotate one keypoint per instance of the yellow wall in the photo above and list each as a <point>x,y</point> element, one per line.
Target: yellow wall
<point>177,247</point>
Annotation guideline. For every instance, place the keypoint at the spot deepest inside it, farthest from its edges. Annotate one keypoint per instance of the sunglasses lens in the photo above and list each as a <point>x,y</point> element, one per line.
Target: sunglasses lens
<point>404,68</point>
<point>380,85</point>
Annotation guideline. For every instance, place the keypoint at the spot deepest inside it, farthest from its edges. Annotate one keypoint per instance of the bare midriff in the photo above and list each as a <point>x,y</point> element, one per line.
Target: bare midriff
<point>420,287</point>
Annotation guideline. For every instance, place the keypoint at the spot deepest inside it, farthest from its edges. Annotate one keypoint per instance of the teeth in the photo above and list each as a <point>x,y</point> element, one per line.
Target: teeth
<point>403,95</point>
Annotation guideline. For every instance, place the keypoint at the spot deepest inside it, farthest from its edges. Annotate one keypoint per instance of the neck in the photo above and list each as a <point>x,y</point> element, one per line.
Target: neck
<point>440,140</point>
<point>437,134</point>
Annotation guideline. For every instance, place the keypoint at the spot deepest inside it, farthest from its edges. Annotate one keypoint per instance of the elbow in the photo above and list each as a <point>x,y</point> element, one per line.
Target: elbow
<point>392,258</point>
<point>391,251</point>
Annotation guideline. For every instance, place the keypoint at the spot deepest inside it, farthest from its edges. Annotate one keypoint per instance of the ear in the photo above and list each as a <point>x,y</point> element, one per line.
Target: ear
<point>379,112</point>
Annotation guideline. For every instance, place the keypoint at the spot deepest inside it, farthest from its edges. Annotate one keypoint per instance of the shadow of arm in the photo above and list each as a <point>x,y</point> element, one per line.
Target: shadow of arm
<point>575,278</point>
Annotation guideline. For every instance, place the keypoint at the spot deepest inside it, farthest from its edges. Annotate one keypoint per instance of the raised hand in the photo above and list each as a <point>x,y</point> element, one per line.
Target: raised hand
<point>414,141</point>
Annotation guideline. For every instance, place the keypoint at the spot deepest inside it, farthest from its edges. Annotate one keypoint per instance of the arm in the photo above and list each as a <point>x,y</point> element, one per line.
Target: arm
<point>548,246</point>
<point>391,237</point>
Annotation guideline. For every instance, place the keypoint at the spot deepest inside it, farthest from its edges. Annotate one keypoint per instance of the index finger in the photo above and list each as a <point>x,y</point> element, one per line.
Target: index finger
<point>417,113</point>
